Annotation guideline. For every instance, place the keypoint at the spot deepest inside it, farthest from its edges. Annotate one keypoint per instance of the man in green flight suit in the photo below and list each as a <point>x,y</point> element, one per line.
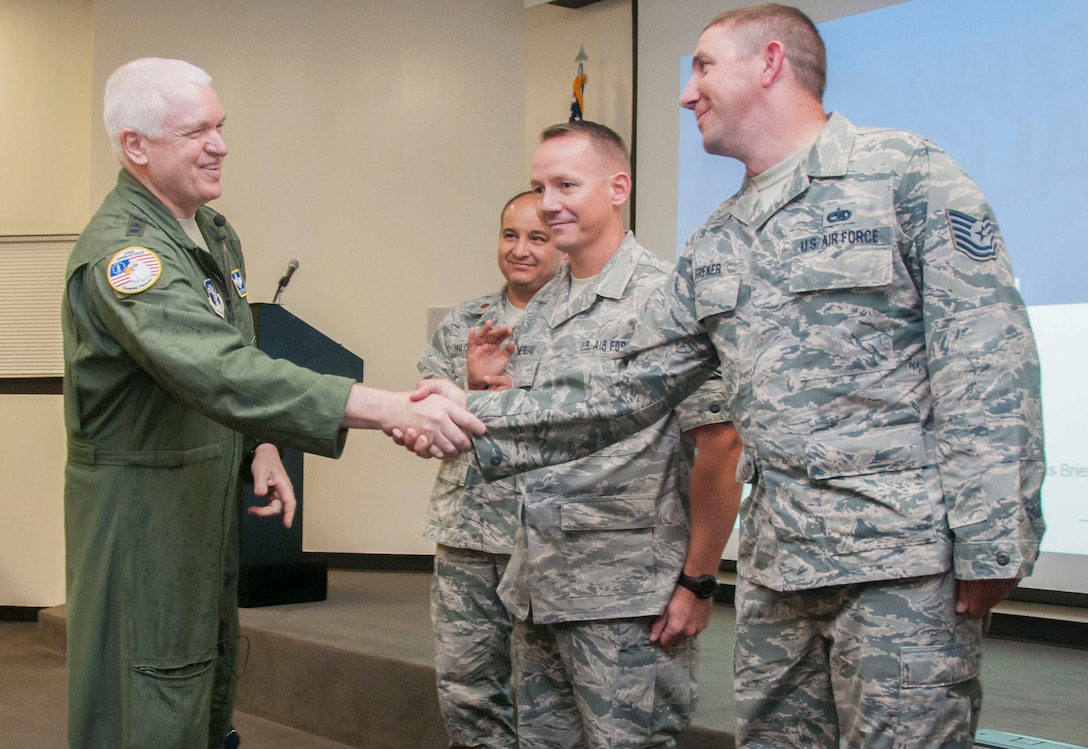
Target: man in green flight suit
<point>161,381</point>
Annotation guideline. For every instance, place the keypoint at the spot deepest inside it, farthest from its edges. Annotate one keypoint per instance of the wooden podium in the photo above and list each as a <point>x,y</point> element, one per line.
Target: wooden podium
<point>272,567</point>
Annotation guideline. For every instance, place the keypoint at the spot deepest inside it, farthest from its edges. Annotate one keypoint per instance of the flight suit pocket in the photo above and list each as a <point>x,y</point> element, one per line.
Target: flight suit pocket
<point>716,273</point>
<point>923,667</point>
<point>177,542</point>
<point>447,498</point>
<point>656,691</point>
<point>842,324</point>
<point>166,701</point>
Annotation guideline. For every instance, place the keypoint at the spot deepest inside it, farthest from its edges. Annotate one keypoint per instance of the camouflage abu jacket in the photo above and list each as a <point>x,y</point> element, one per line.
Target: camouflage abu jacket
<point>605,536</point>
<point>465,511</point>
<point>878,362</point>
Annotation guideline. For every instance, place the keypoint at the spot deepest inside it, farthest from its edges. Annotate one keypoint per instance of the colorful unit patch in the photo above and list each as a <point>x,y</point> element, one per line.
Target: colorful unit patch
<point>972,236</point>
<point>213,296</point>
<point>239,282</point>
<point>134,269</point>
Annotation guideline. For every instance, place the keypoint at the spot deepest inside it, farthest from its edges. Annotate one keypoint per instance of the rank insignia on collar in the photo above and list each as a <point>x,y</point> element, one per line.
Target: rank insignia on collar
<point>136,227</point>
<point>239,282</point>
<point>133,269</point>
<point>213,296</point>
<point>974,237</point>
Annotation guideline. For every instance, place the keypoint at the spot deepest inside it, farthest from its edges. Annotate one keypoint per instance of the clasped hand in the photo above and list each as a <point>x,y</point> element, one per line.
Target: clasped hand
<point>488,352</point>
<point>423,443</point>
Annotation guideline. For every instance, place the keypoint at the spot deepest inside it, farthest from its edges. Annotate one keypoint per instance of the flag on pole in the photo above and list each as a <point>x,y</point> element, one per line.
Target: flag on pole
<point>577,101</point>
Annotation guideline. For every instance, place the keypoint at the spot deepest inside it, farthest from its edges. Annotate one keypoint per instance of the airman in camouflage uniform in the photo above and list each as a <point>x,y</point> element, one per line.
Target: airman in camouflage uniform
<point>602,541</point>
<point>473,521</point>
<point>881,370</point>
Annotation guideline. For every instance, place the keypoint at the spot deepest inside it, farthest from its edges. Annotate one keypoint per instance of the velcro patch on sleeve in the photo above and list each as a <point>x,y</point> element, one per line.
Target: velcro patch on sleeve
<point>134,269</point>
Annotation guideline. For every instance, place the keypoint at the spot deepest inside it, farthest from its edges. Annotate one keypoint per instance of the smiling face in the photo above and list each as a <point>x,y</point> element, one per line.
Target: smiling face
<point>183,166</point>
<point>578,200</point>
<point>724,93</point>
<point>527,257</point>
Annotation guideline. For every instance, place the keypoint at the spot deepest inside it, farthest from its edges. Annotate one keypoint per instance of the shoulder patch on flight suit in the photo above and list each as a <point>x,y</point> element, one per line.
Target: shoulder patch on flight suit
<point>972,236</point>
<point>133,269</point>
<point>239,282</point>
<point>214,298</point>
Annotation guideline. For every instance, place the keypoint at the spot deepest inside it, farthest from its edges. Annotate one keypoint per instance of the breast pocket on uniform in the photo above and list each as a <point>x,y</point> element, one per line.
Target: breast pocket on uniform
<point>842,268</point>
<point>524,374</point>
<point>842,322</point>
<point>716,294</point>
<point>715,274</point>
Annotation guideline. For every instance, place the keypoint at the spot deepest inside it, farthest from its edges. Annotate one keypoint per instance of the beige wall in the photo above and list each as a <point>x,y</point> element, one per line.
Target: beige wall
<point>45,102</point>
<point>374,142</point>
<point>371,141</point>
<point>31,486</point>
<point>45,69</point>
<point>553,37</point>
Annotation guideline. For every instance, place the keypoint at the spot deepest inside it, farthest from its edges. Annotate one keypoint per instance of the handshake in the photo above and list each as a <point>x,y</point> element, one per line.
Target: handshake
<point>431,421</point>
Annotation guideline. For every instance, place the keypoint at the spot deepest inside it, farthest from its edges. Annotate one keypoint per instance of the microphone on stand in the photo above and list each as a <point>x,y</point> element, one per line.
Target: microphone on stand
<point>291,268</point>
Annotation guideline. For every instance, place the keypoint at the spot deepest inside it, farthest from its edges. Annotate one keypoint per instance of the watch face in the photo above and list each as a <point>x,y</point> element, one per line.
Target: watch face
<point>704,586</point>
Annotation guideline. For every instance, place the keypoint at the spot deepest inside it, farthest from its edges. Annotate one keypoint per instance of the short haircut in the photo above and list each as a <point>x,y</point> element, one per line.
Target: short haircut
<point>606,141</point>
<point>511,201</point>
<point>757,25</point>
<point>139,94</point>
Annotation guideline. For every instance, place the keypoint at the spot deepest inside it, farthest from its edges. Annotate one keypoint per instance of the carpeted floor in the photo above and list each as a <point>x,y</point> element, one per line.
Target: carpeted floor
<point>372,635</point>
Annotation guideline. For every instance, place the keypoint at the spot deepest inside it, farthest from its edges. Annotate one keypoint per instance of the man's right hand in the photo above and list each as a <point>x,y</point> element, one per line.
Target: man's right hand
<point>413,439</point>
<point>445,388</point>
<point>439,427</point>
<point>489,350</point>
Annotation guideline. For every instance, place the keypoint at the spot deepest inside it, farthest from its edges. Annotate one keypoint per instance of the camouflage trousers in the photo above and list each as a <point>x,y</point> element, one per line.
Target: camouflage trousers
<point>882,664</point>
<point>472,648</point>
<point>601,684</point>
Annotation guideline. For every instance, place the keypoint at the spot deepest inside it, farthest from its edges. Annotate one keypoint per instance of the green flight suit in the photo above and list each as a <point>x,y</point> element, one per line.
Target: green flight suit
<point>161,379</point>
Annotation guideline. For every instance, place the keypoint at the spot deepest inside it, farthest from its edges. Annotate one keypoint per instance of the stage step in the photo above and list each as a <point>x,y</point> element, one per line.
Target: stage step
<point>355,669</point>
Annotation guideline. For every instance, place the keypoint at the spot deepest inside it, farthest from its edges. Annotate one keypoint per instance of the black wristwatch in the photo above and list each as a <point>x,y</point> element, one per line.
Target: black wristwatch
<point>703,586</point>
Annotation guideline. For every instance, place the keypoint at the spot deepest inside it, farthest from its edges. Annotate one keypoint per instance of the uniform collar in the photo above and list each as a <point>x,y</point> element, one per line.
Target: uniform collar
<point>150,209</point>
<point>827,159</point>
<point>488,305</point>
<point>611,282</point>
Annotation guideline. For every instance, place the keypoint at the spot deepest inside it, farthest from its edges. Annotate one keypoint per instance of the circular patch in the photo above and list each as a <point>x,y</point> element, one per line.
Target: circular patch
<point>134,269</point>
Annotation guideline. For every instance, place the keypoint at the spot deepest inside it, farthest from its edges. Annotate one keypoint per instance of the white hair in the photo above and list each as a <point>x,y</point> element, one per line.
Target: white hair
<point>139,95</point>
